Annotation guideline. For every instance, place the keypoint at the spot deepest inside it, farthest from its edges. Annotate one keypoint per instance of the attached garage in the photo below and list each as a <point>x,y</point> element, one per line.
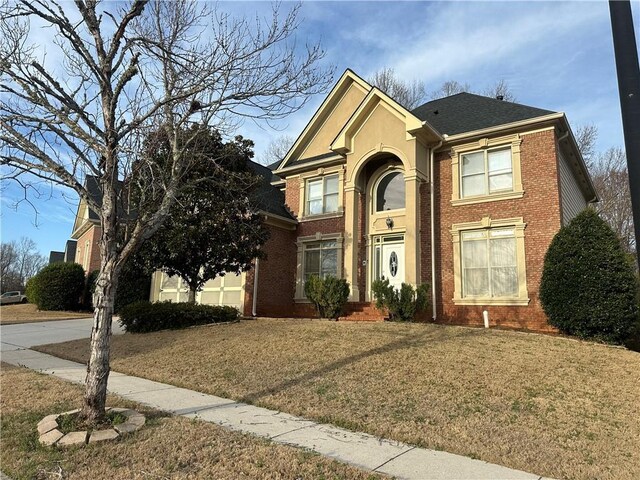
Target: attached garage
<point>226,290</point>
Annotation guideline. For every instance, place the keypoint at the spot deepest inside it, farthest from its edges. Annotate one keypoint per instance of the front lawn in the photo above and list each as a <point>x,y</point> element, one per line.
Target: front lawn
<point>548,405</point>
<point>166,448</point>
<point>28,313</point>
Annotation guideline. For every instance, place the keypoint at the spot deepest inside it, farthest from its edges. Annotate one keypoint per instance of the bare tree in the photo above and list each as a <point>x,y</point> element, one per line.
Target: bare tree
<point>8,257</point>
<point>19,261</point>
<point>501,91</point>
<point>125,70</point>
<point>586,136</point>
<point>408,94</point>
<point>450,87</point>
<point>611,181</point>
<point>277,149</point>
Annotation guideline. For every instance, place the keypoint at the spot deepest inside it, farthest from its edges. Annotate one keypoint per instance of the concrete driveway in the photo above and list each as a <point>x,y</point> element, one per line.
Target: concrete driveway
<point>27,335</point>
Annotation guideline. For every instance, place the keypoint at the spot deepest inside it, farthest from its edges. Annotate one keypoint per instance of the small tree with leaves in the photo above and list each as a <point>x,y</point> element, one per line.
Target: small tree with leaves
<point>588,286</point>
<point>215,227</point>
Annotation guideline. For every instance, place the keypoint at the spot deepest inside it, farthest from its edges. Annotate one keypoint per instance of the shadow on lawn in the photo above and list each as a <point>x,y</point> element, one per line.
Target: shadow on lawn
<point>409,341</point>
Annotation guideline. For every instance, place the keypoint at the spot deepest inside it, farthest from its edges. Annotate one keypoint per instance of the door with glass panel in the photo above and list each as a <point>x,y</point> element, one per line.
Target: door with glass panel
<point>389,259</point>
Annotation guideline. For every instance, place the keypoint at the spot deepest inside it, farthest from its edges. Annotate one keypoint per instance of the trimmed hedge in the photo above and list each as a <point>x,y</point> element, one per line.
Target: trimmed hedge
<point>402,304</point>
<point>588,287</point>
<point>57,286</point>
<point>329,295</point>
<point>143,317</point>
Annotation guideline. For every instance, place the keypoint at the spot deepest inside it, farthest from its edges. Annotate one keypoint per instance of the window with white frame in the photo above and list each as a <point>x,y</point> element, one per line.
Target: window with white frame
<point>85,262</point>
<point>489,263</point>
<point>322,195</point>
<point>486,172</point>
<point>390,192</point>
<point>321,259</point>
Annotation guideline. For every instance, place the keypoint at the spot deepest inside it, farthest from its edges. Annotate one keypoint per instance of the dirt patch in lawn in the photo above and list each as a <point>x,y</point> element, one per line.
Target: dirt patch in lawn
<point>548,405</point>
<point>166,448</point>
<point>28,313</point>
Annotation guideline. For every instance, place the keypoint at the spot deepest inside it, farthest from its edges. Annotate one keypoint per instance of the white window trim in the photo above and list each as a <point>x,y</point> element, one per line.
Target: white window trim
<point>486,173</point>
<point>301,243</point>
<point>316,175</point>
<point>522,298</point>
<point>485,144</point>
<point>86,259</point>
<point>374,192</point>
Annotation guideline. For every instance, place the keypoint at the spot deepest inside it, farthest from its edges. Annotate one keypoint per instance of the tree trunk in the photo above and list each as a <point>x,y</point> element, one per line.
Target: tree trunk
<point>192,295</point>
<point>98,369</point>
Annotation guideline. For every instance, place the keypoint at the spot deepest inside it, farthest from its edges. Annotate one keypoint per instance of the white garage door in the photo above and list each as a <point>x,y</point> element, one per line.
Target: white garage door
<point>226,290</point>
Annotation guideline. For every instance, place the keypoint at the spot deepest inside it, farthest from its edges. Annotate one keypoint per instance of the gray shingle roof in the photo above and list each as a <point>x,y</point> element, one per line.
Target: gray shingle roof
<point>466,112</point>
<point>269,198</point>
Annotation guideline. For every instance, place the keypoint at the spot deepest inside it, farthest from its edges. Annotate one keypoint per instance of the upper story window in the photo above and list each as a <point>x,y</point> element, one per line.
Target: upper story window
<point>390,192</point>
<point>322,195</point>
<point>486,172</point>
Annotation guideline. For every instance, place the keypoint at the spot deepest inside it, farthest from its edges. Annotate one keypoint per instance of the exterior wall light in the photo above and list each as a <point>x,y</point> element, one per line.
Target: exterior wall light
<point>389,223</point>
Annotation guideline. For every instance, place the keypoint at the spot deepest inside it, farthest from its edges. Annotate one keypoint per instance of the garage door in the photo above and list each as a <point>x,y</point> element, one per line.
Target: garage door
<point>226,290</point>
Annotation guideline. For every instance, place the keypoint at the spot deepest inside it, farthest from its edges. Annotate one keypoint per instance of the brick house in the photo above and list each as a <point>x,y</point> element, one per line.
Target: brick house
<point>464,193</point>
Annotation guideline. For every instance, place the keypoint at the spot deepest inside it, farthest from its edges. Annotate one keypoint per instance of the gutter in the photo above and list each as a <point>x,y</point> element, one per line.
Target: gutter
<point>254,307</point>
<point>433,230</point>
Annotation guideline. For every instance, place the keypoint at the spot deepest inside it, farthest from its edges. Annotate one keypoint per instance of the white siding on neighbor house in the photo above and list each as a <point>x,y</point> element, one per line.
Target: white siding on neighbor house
<point>571,198</point>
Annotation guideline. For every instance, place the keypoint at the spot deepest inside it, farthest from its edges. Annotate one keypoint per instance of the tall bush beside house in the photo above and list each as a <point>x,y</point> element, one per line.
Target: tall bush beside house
<point>30,290</point>
<point>588,287</point>
<point>403,304</point>
<point>329,295</point>
<point>134,285</point>
<point>58,286</point>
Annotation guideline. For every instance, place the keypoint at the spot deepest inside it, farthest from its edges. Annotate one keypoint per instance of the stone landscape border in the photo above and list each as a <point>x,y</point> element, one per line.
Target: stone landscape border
<point>50,434</point>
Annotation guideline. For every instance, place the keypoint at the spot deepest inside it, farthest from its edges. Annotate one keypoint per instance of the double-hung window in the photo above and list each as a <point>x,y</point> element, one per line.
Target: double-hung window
<point>322,195</point>
<point>486,172</point>
<point>489,263</point>
<point>321,259</point>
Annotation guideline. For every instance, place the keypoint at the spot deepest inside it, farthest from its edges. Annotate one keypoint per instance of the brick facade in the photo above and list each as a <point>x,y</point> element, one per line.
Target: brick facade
<point>276,276</point>
<point>91,238</point>
<point>540,209</point>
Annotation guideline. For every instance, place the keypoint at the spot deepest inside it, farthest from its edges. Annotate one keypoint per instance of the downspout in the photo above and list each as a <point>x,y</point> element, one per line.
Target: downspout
<point>433,231</point>
<point>255,289</point>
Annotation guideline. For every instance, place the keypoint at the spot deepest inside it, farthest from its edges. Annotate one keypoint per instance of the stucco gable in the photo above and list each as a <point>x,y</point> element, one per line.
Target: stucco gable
<point>377,101</point>
<point>335,110</point>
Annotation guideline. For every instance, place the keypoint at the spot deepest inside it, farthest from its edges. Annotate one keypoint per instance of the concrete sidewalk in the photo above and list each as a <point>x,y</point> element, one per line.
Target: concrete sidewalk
<point>365,451</point>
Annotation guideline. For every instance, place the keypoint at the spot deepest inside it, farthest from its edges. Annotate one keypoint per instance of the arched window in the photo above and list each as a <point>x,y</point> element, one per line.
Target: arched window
<point>390,192</point>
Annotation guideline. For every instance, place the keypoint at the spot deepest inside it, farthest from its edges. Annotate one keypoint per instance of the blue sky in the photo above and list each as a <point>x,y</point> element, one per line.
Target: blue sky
<point>553,55</point>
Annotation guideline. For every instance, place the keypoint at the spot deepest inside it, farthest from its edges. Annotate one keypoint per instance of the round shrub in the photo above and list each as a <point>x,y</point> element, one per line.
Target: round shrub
<point>58,286</point>
<point>329,295</point>
<point>588,287</point>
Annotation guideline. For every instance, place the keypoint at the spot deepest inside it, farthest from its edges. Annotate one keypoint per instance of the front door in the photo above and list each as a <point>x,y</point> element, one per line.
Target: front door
<point>390,259</point>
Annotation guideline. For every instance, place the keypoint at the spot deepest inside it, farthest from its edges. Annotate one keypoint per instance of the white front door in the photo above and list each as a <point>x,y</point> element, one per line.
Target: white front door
<point>391,260</point>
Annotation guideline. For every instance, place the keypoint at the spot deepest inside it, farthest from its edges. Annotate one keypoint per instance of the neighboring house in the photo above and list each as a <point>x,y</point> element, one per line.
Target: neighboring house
<point>69,254</point>
<point>464,193</point>
<point>86,229</point>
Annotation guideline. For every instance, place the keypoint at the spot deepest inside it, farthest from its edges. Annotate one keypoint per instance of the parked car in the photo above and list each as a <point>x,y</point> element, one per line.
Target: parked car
<point>12,297</point>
